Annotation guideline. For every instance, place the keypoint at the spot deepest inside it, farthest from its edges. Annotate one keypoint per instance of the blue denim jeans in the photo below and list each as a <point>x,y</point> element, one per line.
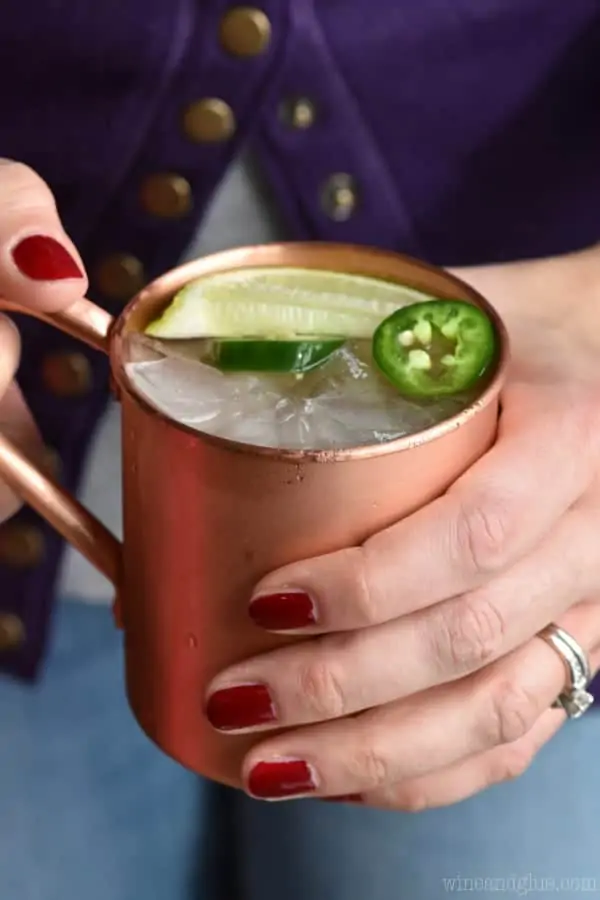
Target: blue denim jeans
<point>90,810</point>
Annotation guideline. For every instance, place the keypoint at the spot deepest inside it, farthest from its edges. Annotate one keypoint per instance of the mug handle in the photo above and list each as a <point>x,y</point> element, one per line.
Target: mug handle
<point>90,324</point>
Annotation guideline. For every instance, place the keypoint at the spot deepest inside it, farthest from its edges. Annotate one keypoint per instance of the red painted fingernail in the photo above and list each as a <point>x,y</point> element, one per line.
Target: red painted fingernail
<point>42,258</point>
<point>284,611</point>
<point>243,706</point>
<point>284,778</point>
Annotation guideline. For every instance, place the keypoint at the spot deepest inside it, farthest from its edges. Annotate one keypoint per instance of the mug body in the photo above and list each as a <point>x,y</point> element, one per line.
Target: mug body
<point>205,518</point>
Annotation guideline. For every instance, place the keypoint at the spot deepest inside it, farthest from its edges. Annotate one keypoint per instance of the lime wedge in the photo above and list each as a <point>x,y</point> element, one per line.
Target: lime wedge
<point>281,303</point>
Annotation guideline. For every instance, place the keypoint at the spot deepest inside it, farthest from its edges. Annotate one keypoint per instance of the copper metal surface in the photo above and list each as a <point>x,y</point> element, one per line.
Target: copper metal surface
<point>205,518</point>
<point>71,519</point>
<point>82,320</point>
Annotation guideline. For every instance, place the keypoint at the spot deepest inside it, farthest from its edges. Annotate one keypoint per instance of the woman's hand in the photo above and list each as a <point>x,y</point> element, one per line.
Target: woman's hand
<point>425,681</point>
<point>41,269</point>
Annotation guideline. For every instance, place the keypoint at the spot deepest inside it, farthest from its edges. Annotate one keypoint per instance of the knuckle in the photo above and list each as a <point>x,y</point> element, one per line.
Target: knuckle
<point>482,534</point>
<point>470,635</point>
<point>510,714</point>
<point>508,765</point>
<point>370,766</point>
<point>321,689</point>
<point>412,799</point>
<point>358,563</point>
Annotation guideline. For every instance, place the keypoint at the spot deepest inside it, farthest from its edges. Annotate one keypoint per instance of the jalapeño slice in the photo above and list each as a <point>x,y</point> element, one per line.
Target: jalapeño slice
<point>434,349</point>
<point>253,355</point>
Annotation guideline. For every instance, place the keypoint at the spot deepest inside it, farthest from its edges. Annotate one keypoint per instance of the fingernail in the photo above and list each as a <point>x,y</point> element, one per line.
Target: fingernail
<point>283,611</point>
<point>243,706</point>
<point>282,778</point>
<point>42,258</point>
<point>344,798</point>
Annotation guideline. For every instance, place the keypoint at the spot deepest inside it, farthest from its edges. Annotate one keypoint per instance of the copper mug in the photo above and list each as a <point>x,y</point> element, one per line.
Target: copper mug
<point>205,518</point>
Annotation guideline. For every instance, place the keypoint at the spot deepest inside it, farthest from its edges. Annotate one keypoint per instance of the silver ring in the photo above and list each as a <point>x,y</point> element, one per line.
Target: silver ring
<point>575,699</point>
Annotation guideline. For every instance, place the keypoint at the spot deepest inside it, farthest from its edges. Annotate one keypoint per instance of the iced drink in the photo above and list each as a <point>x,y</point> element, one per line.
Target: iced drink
<point>307,359</point>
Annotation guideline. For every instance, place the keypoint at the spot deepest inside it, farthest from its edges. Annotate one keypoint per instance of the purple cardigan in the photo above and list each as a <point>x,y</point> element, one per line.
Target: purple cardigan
<point>455,130</point>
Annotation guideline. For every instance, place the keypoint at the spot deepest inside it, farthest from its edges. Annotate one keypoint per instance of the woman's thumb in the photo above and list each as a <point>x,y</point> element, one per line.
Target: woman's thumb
<point>39,266</point>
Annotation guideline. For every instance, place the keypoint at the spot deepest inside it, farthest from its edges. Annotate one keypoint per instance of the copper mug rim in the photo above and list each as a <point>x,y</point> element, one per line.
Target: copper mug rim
<point>153,298</point>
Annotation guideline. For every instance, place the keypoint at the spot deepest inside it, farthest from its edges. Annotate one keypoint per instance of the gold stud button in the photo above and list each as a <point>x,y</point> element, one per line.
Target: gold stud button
<point>166,195</point>
<point>299,113</point>
<point>245,31</point>
<point>12,632</point>
<point>120,276</point>
<point>67,374</point>
<point>339,196</point>
<point>21,545</point>
<point>209,121</point>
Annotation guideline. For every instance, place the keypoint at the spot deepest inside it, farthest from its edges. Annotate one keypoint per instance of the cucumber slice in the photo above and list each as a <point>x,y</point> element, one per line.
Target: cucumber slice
<point>272,356</point>
<point>281,303</point>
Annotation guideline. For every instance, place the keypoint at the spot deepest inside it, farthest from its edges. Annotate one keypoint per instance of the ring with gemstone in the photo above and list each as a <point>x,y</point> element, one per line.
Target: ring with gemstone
<point>575,699</point>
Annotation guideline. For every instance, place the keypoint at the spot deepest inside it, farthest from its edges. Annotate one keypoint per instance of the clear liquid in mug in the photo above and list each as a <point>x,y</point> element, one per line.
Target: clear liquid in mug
<point>343,403</point>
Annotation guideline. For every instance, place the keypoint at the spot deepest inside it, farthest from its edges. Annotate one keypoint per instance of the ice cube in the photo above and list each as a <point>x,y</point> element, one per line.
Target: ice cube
<point>191,392</point>
<point>344,403</point>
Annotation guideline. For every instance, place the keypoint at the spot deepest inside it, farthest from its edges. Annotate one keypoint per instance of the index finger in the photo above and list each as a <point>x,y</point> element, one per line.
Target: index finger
<point>39,265</point>
<point>492,517</point>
